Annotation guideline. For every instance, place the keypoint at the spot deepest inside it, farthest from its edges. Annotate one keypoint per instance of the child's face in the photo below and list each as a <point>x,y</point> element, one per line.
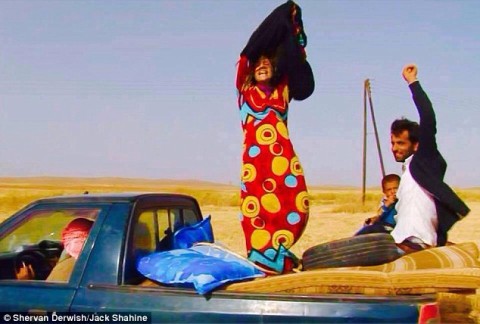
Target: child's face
<point>390,188</point>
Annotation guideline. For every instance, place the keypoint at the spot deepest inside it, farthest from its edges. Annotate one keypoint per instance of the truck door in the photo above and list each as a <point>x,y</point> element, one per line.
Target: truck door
<point>111,282</point>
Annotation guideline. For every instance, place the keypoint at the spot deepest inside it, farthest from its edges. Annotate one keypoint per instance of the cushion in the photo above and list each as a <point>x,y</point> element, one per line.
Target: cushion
<point>407,282</point>
<point>189,235</point>
<point>203,267</point>
<point>348,281</point>
<point>458,256</point>
<point>322,281</point>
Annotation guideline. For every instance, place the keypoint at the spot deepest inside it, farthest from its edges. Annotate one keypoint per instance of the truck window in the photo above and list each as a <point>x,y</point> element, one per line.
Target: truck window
<point>189,217</point>
<point>145,233</point>
<point>154,228</point>
<point>152,232</point>
<point>181,217</point>
<point>32,247</point>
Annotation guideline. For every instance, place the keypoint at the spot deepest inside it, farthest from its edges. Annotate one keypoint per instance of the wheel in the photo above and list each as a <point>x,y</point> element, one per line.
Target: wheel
<point>363,250</point>
<point>39,262</point>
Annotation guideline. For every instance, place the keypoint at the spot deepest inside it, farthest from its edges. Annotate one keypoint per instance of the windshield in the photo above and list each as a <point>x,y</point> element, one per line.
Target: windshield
<point>42,224</point>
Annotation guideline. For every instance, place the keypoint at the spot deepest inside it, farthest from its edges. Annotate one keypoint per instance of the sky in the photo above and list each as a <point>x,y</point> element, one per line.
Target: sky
<point>145,89</point>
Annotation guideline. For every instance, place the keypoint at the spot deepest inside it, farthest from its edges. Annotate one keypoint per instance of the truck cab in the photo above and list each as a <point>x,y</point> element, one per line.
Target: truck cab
<point>104,277</point>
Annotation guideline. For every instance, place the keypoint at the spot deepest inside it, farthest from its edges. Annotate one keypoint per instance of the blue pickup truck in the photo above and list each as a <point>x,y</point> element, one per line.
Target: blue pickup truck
<point>105,279</point>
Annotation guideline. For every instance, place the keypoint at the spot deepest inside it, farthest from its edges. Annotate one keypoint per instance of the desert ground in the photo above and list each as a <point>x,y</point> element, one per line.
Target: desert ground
<point>335,213</point>
<point>323,226</point>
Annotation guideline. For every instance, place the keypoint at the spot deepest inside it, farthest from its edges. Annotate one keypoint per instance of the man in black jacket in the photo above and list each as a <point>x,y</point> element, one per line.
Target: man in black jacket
<point>427,207</point>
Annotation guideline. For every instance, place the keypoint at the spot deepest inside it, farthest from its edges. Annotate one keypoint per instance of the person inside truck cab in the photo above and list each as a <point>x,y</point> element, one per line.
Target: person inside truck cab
<point>74,236</point>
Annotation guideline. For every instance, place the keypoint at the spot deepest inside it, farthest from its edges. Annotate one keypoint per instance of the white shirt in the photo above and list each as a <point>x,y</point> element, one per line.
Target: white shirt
<point>416,212</point>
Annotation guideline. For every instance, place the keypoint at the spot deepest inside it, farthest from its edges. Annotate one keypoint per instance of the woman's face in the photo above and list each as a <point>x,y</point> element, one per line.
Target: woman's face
<point>263,71</point>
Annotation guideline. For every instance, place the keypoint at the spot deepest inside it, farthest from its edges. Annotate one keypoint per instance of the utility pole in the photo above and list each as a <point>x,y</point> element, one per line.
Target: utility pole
<point>364,162</point>
<point>368,93</point>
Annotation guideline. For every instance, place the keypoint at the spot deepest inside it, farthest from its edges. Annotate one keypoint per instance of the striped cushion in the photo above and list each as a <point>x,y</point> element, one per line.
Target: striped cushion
<point>447,268</point>
<point>348,281</point>
<point>462,255</point>
<point>324,281</point>
<point>430,280</point>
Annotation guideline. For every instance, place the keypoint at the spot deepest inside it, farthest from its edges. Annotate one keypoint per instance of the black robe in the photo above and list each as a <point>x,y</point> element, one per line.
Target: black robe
<point>281,35</point>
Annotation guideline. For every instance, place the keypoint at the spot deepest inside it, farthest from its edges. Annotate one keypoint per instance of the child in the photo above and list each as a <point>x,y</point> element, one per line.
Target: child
<point>384,222</point>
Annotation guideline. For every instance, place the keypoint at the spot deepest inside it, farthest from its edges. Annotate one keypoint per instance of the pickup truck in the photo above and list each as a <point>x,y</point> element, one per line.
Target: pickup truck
<point>105,278</point>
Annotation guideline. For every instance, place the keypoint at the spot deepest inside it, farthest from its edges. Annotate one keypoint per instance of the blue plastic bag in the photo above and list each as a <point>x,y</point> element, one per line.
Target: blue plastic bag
<point>187,236</point>
<point>203,267</point>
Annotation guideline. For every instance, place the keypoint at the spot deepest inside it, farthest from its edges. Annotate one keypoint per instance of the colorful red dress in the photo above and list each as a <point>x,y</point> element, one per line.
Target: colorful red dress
<point>274,198</point>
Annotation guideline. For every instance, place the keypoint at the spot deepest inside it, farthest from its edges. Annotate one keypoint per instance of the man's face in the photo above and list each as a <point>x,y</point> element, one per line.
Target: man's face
<point>402,147</point>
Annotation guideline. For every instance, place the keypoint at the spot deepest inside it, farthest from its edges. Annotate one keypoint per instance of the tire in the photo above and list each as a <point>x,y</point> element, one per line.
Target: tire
<point>362,250</point>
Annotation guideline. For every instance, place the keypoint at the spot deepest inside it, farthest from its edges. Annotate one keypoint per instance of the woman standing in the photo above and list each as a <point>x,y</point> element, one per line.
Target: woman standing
<point>272,71</point>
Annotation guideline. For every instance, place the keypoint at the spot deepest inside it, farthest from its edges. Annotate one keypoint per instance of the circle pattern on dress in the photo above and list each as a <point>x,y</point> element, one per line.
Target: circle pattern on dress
<point>295,166</point>
<point>282,129</point>
<point>279,165</point>
<point>270,203</point>
<point>260,238</point>
<point>293,218</point>
<point>284,237</point>
<point>257,222</point>
<point>266,134</point>
<point>249,172</point>
<point>291,181</point>
<point>269,185</point>
<point>276,149</point>
<point>250,206</point>
<point>301,201</point>
<point>253,151</point>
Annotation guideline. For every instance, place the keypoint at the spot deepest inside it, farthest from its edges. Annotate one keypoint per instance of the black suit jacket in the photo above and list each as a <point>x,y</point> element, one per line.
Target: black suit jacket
<point>428,168</point>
